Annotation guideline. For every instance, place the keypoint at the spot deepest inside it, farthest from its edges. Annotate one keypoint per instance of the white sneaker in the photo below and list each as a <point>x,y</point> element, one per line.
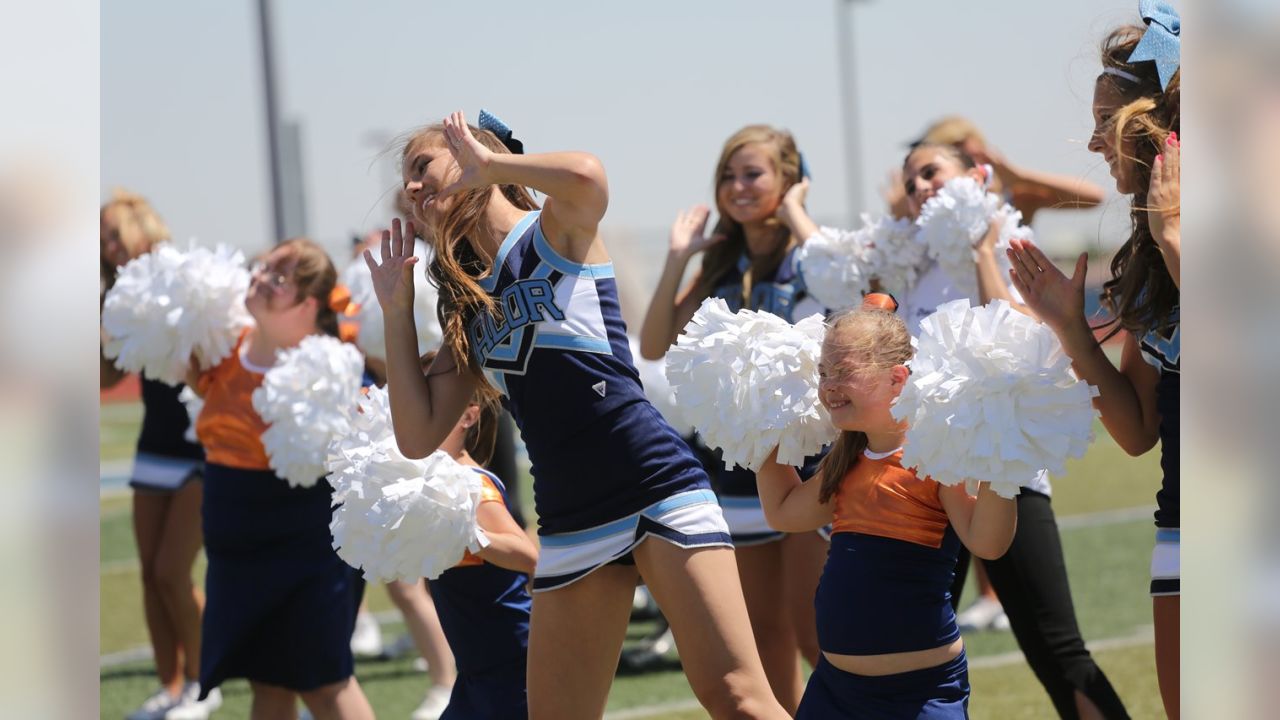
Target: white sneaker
<point>366,640</point>
<point>154,707</point>
<point>982,615</point>
<point>189,708</point>
<point>433,704</point>
<point>420,664</point>
<point>402,647</point>
<point>1001,622</point>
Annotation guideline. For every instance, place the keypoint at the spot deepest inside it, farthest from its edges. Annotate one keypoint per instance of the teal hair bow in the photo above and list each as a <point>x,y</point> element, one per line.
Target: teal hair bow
<point>489,121</point>
<point>1161,43</point>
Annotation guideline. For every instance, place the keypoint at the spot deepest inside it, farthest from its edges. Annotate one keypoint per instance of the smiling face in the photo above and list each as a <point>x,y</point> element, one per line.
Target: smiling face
<point>856,393</point>
<point>428,168</point>
<point>1107,99</point>
<point>927,169</point>
<point>749,189</point>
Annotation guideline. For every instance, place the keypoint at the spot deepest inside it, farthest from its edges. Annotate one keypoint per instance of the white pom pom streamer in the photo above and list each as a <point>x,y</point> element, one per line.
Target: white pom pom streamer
<point>992,397</point>
<point>396,518</point>
<point>953,221</point>
<point>306,398</point>
<point>194,404</point>
<point>170,304</point>
<point>836,267</point>
<point>896,252</point>
<point>749,382</point>
<point>372,336</point>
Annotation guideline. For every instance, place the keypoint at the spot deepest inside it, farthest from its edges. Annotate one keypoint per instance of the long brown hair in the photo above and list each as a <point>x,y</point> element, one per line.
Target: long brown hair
<point>868,339</point>
<point>1141,293</point>
<point>720,258</point>
<point>456,267</point>
<point>315,276</point>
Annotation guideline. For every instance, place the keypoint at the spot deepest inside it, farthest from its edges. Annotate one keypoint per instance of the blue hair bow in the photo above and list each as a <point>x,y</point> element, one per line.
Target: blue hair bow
<point>804,167</point>
<point>1162,42</point>
<point>490,122</point>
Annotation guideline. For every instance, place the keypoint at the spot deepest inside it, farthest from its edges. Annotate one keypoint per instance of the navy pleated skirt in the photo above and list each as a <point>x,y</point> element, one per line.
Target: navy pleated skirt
<point>281,604</point>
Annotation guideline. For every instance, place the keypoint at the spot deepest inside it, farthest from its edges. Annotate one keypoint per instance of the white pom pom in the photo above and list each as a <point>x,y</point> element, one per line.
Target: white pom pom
<point>954,221</point>
<point>835,266</point>
<point>306,398</point>
<point>372,336</point>
<point>896,252</point>
<point>398,519</point>
<point>170,304</point>
<point>749,382</point>
<point>992,397</point>
<point>194,404</point>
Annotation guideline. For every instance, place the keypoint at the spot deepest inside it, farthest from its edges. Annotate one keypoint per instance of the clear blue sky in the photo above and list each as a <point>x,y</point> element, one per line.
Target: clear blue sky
<point>653,88</point>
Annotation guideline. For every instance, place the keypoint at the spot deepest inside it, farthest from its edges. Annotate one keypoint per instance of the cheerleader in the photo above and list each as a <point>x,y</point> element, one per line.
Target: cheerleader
<point>281,604</point>
<point>890,644</point>
<point>530,311</point>
<point>167,488</point>
<point>749,260</point>
<point>1136,114</point>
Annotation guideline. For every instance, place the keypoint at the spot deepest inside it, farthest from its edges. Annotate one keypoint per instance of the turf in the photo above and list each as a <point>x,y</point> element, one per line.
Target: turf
<point>1107,565</point>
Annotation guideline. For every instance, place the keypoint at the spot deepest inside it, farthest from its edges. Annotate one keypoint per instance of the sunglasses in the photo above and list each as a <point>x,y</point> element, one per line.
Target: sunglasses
<point>275,279</point>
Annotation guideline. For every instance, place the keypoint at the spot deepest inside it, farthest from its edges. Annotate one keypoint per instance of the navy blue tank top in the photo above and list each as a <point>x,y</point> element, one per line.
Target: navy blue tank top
<point>881,595</point>
<point>484,610</point>
<point>165,422</point>
<point>1162,349</point>
<point>558,353</point>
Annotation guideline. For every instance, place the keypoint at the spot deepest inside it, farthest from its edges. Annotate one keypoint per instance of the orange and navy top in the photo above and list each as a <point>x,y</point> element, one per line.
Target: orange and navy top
<point>229,428</point>
<point>886,587</point>
<point>484,609</point>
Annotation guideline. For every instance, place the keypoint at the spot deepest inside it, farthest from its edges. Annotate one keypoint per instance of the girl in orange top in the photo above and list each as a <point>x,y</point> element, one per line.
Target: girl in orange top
<point>281,603</point>
<point>890,645</point>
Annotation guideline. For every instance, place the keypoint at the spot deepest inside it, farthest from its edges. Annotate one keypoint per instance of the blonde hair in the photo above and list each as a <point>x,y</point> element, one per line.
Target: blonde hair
<point>1141,293</point>
<point>138,224</point>
<point>720,258</point>
<point>866,340</point>
<point>952,130</point>
<point>456,266</point>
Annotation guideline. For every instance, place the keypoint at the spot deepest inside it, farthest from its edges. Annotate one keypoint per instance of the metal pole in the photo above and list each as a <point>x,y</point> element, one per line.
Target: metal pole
<point>848,107</point>
<point>273,126</point>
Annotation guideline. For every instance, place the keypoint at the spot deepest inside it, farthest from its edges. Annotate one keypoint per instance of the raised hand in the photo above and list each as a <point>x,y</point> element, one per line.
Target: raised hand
<point>1056,299</point>
<point>1164,201</point>
<point>393,278</point>
<point>687,237</point>
<point>472,157</point>
<point>792,205</point>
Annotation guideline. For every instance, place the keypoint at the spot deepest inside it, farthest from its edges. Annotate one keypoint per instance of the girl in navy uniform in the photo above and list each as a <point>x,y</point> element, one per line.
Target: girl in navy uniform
<point>890,644</point>
<point>1136,122</point>
<point>530,311</point>
<point>166,488</point>
<point>281,603</point>
<point>484,601</point>
<point>749,260</point>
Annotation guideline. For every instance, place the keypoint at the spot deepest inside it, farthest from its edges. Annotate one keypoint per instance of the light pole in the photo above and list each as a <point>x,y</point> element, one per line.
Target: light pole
<point>848,106</point>
<point>273,123</point>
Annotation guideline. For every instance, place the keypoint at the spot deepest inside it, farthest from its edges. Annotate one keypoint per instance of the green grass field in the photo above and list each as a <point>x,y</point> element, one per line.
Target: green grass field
<point>1107,559</point>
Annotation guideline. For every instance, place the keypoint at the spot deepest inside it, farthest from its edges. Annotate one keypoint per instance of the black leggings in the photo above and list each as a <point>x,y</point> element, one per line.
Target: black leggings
<point>1031,582</point>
